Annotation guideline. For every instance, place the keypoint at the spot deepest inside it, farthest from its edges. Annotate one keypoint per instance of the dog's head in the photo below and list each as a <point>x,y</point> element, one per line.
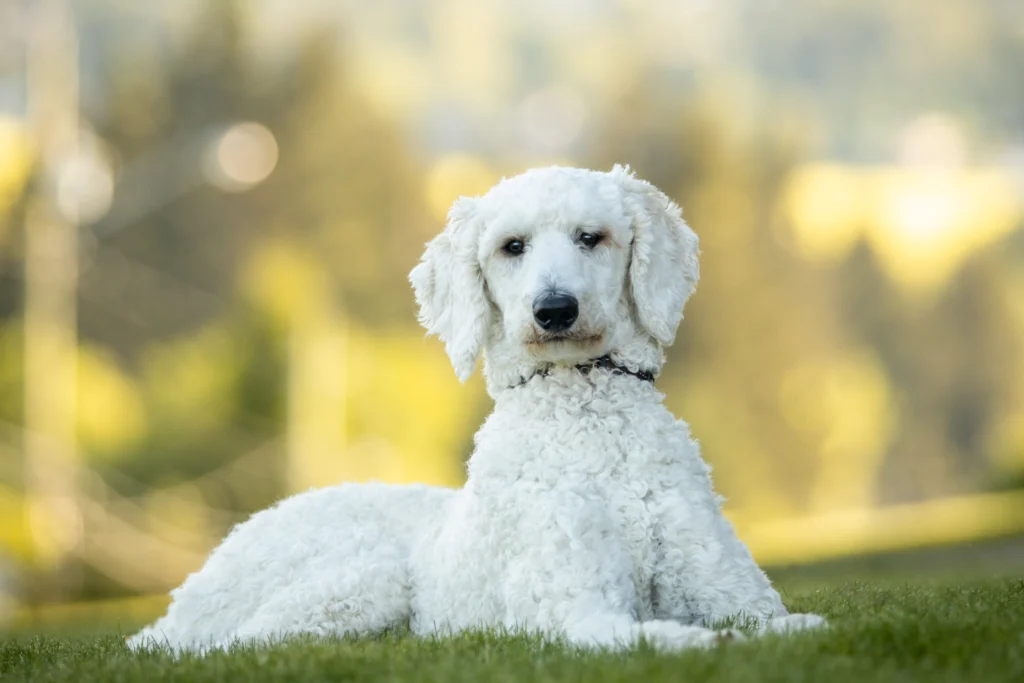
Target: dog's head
<point>562,263</point>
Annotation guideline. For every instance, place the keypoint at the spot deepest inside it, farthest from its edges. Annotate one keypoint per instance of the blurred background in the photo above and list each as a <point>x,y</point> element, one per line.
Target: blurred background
<point>208,210</point>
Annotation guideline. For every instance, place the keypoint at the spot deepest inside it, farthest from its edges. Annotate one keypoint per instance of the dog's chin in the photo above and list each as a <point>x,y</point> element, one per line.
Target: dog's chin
<point>576,346</point>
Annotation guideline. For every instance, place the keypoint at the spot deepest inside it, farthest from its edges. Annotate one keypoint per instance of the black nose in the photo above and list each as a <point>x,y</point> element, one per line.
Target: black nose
<point>555,312</point>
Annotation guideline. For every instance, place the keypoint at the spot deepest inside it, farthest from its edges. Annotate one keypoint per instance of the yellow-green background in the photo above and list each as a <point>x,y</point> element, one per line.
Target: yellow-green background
<point>852,362</point>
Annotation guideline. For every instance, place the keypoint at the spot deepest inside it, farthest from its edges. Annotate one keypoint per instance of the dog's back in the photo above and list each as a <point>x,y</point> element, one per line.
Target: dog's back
<point>304,565</point>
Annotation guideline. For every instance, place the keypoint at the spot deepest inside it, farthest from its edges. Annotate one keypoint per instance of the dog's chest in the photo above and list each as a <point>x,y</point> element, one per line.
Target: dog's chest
<point>615,473</point>
<point>627,497</point>
<point>583,478</point>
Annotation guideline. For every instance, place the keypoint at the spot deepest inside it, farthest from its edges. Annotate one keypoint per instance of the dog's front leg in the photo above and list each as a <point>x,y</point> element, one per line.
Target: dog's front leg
<point>592,625</point>
<point>705,573</point>
<point>572,577</point>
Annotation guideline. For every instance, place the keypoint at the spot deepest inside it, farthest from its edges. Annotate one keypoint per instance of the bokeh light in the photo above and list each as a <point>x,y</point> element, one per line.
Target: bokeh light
<point>242,157</point>
<point>85,181</point>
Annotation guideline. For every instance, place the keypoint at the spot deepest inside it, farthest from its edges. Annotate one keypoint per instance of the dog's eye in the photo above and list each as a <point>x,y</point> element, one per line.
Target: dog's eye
<point>590,239</point>
<point>514,247</point>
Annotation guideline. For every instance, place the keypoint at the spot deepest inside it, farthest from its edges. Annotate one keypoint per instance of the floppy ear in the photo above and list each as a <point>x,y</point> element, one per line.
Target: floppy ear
<point>449,288</point>
<point>663,268</point>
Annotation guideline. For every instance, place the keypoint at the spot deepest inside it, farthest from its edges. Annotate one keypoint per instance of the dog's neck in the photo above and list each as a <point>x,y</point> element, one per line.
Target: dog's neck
<point>636,358</point>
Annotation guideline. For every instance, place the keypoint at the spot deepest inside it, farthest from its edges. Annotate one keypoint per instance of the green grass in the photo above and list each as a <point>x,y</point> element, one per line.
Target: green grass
<point>965,631</point>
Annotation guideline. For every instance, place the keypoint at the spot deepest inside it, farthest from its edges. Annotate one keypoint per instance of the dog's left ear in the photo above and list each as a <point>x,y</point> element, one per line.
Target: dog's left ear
<point>663,269</point>
<point>449,286</point>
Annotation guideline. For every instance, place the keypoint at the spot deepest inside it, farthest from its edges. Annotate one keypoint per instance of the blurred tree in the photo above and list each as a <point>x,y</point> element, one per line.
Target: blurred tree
<point>827,382</point>
<point>868,67</point>
<point>345,187</point>
<point>759,310</point>
<point>345,183</point>
<point>956,364</point>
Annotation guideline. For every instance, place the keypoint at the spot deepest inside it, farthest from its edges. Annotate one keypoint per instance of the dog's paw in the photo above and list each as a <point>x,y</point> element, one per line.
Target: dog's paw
<point>672,636</point>
<point>725,635</point>
<point>792,623</point>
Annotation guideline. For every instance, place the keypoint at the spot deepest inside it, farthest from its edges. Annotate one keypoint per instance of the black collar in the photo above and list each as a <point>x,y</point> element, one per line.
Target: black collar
<point>604,362</point>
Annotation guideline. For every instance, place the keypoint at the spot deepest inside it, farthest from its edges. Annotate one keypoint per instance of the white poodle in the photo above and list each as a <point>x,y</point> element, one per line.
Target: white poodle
<point>588,513</point>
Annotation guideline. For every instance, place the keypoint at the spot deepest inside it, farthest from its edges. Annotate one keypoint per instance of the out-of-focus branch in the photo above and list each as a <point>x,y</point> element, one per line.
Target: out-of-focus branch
<point>51,265</point>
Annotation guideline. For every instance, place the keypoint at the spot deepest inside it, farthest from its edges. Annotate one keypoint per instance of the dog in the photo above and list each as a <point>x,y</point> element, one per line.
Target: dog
<point>588,514</point>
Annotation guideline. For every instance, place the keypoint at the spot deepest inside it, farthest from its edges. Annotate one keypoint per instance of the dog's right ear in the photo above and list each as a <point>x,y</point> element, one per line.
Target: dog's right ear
<point>449,286</point>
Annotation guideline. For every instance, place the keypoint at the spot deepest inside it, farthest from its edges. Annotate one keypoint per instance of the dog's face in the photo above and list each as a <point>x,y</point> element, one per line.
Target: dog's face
<point>563,260</point>
<point>554,253</point>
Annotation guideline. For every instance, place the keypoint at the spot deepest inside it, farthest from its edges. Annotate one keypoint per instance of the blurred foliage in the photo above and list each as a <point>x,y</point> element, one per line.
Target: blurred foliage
<point>853,392</point>
<point>237,346</point>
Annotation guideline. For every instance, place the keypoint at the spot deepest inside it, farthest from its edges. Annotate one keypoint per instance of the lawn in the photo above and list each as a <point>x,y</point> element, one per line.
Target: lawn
<point>923,630</point>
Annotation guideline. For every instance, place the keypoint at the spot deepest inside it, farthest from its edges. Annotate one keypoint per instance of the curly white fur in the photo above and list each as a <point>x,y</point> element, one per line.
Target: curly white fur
<point>588,512</point>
